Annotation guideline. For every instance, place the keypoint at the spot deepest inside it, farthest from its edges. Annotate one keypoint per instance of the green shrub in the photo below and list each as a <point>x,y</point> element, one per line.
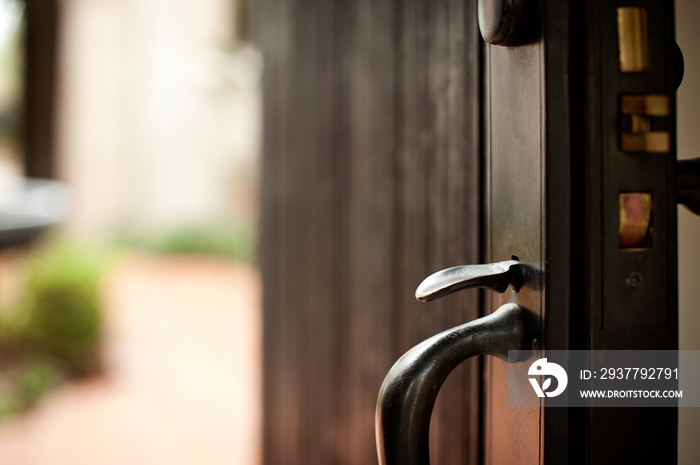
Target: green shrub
<point>23,383</point>
<point>33,379</point>
<point>60,306</point>
<point>237,241</point>
<point>8,404</point>
<point>52,331</point>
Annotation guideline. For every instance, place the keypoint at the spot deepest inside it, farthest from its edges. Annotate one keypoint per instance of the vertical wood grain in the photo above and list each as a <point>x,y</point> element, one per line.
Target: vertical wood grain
<point>371,181</point>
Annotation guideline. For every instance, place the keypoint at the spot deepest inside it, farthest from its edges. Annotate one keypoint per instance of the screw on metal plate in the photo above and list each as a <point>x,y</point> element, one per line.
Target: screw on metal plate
<point>635,280</point>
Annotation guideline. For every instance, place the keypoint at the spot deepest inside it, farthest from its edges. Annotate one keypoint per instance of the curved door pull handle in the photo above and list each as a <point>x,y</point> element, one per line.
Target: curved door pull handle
<point>494,276</point>
<point>408,394</point>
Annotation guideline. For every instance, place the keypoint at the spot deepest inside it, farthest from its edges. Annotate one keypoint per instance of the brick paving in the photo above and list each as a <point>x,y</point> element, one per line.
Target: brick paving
<point>182,383</point>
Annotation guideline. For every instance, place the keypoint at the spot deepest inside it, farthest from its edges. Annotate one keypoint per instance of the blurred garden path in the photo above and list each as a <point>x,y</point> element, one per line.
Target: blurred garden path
<point>183,378</point>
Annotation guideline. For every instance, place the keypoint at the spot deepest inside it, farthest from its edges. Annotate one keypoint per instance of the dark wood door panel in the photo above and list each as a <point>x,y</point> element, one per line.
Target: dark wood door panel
<point>371,181</point>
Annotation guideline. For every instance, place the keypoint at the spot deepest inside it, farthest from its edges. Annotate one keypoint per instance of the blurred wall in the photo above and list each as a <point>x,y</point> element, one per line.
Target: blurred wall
<point>688,38</point>
<point>159,112</point>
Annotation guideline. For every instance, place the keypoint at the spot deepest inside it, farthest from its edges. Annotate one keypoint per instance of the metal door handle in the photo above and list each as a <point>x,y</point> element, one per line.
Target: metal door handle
<point>408,393</point>
<point>494,276</point>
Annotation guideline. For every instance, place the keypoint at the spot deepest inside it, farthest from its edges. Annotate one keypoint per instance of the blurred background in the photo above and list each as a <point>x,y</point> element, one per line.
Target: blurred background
<point>129,292</point>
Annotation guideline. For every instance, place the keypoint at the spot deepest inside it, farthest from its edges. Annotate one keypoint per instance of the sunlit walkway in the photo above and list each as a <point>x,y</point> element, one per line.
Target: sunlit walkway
<point>183,374</point>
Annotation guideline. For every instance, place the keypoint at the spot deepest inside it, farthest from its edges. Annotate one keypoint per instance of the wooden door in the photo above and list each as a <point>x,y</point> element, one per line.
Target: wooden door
<point>371,181</point>
<point>397,143</point>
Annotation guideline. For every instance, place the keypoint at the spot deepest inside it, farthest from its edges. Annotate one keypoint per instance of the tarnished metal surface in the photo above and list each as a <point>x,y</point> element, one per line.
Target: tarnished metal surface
<point>636,129</point>
<point>501,22</point>
<point>494,276</point>
<point>408,394</point>
<point>635,220</point>
<point>633,39</point>
<point>515,227</point>
<point>649,104</point>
